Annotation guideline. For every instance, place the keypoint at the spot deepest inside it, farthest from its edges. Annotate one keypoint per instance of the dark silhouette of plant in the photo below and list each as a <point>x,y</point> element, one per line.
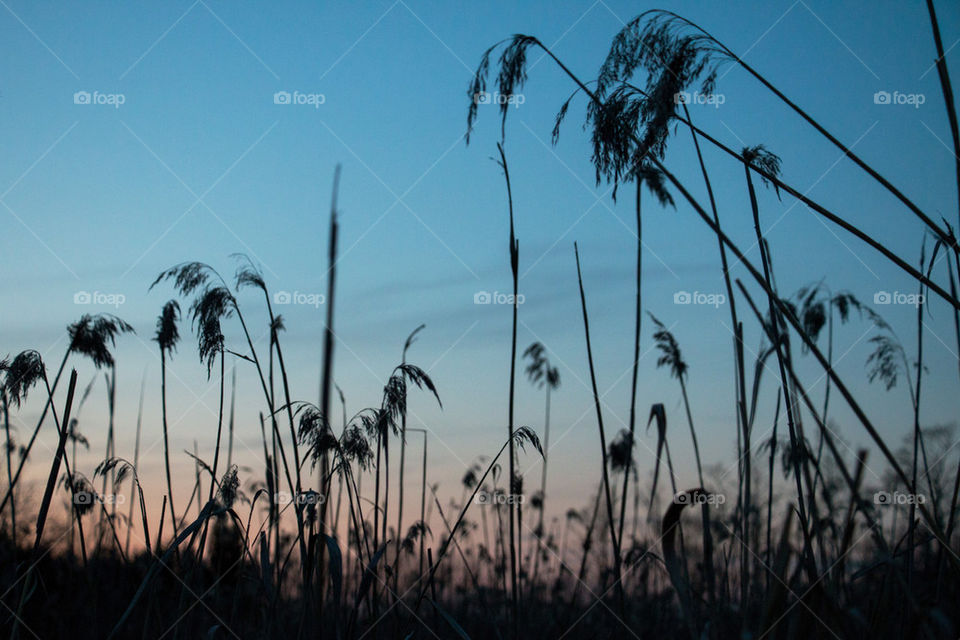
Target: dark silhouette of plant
<point>55,466</point>
<point>659,413</point>
<point>92,336</point>
<point>75,437</point>
<point>166,337</point>
<point>541,375</point>
<point>617,559</point>
<point>423,498</point>
<point>403,456</point>
<point>19,376</point>
<point>521,437</point>
<point>770,163</point>
<point>816,307</point>
<point>620,452</point>
<point>511,77</point>
<point>326,377</point>
<point>672,358</point>
<point>668,40</point>
<point>512,63</point>
<point>89,337</point>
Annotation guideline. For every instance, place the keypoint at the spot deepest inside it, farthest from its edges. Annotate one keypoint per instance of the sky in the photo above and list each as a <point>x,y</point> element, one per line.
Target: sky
<point>137,136</point>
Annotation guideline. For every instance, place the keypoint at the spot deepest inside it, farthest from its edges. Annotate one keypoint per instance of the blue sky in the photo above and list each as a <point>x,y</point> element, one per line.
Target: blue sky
<point>199,162</point>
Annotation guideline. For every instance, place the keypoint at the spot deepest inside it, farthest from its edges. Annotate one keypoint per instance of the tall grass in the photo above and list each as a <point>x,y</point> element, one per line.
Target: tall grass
<point>542,375</point>
<point>513,481</point>
<point>617,558</point>
<point>806,555</point>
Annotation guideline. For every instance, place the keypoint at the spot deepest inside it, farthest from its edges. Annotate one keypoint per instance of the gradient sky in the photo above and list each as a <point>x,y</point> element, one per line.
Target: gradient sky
<point>199,163</point>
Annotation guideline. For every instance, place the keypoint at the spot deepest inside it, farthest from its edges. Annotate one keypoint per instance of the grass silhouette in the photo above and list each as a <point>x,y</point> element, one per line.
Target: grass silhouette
<point>263,554</point>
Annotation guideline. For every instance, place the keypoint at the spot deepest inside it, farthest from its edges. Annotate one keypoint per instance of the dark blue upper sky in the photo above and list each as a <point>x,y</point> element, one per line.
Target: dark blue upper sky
<point>187,151</point>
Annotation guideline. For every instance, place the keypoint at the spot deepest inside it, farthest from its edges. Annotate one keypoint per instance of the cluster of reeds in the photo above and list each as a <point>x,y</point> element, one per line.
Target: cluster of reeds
<point>263,554</point>
<point>631,111</point>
